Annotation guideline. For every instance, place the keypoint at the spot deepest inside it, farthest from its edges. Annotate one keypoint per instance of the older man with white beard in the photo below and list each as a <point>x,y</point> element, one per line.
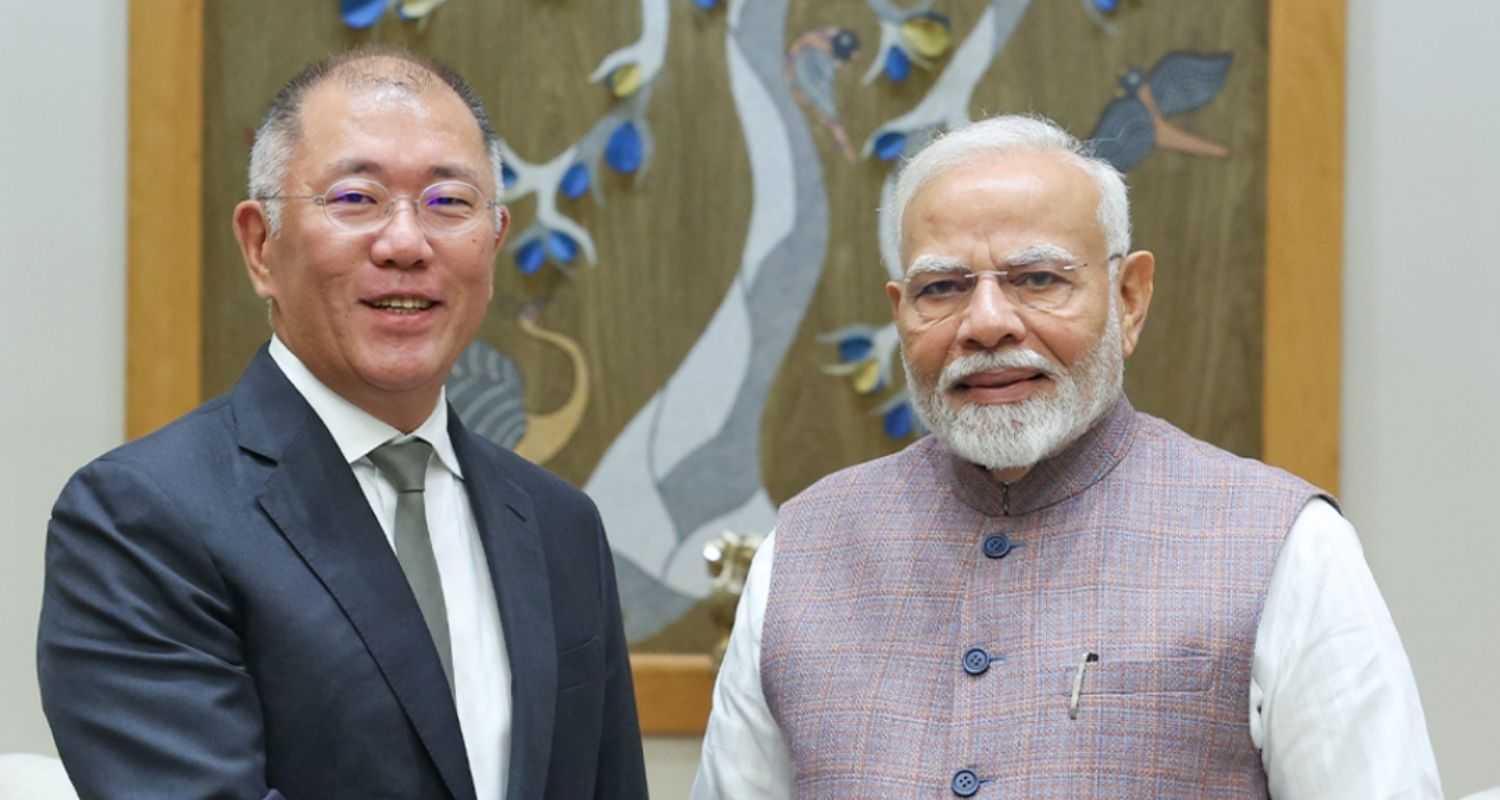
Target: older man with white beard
<point>1054,595</point>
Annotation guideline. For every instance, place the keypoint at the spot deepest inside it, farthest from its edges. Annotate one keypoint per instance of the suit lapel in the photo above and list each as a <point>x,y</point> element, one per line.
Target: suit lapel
<point>518,569</point>
<point>314,499</point>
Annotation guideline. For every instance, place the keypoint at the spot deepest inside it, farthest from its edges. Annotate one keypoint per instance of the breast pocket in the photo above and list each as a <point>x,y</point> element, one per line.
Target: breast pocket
<point>1178,674</point>
<point>580,665</point>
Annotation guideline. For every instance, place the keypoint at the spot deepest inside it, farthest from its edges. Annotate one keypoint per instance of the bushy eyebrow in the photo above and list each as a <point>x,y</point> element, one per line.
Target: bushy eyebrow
<point>923,265</point>
<point>1025,257</point>
<point>1040,254</point>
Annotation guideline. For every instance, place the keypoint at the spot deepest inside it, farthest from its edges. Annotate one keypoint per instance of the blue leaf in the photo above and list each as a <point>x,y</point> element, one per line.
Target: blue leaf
<point>898,422</point>
<point>897,64</point>
<point>508,176</point>
<point>624,150</point>
<point>362,13</point>
<point>561,247</point>
<point>855,348</point>
<point>530,257</point>
<point>575,182</point>
<point>890,145</point>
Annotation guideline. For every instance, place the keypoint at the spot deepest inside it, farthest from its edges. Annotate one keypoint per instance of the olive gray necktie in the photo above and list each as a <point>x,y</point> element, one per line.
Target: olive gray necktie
<point>405,466</point>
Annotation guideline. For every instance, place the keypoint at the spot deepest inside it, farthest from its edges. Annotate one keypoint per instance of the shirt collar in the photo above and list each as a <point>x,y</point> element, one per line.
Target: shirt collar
<point>354,430</point>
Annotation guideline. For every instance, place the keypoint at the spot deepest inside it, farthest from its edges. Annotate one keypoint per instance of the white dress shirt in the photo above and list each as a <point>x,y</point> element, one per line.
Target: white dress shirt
<point>481,666</point>
<point>1333,705</point>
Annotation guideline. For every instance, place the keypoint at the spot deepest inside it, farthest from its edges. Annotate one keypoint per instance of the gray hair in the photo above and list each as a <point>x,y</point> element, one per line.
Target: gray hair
<point>280,130</point>
<point>1003,134</point>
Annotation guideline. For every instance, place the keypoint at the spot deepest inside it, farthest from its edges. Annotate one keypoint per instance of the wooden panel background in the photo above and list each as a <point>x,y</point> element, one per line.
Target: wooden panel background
<point>669,246</point>
<point>164,353</point>
<point>1304,240</point>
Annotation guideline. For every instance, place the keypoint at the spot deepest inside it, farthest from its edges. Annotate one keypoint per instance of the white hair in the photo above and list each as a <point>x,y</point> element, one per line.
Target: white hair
<point>269,157</point>
<point>1005,134</point>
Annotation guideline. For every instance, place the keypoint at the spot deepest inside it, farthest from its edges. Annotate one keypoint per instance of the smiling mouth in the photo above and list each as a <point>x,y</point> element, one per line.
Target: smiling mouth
<point>401,305</point>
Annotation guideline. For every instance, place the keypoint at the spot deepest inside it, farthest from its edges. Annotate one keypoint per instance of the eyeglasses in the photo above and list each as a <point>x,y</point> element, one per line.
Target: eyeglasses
<point>361,206</point>
<point>937,295</point>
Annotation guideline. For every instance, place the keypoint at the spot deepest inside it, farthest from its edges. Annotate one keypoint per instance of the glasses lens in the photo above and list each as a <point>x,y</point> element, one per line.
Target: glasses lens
<point>1045,288</point>
<point>940,294</point>
<point>360,205</point>
<point>355,204</point>
<point>449,206</point>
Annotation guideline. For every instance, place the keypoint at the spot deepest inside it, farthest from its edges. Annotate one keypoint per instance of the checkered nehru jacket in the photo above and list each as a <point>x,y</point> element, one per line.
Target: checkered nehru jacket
<point>926,626</point>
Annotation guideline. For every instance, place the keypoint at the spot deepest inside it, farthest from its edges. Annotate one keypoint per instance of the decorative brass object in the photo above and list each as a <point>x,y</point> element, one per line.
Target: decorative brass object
<point>728,560</point>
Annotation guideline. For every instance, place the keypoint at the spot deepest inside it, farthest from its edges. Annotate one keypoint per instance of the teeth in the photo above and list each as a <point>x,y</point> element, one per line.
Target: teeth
<point>403,304</point>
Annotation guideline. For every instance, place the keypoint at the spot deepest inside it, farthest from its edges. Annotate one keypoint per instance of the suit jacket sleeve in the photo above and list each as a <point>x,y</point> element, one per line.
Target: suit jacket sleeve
<point>622,768</point>
<point>138,652</point>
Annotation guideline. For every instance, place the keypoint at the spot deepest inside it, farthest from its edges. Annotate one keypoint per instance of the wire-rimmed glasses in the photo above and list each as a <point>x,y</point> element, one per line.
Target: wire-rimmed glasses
<point>361,206</point>
<point>939,293</point>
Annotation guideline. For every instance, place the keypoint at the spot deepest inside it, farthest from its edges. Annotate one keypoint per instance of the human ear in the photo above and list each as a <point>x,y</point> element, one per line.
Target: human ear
<point>893,294</point>
<point>252,231</point>
<point>504,229</point>
<point>1137,279</point>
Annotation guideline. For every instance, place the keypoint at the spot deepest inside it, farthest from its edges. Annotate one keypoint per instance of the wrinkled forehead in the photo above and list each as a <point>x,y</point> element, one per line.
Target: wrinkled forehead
<point>1023,207</point>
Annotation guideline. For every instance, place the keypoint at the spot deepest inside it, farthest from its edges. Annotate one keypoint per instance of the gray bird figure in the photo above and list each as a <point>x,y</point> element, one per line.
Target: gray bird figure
<point>488,391</point>
<point>1133,125</point>
<point>489,394</point>
<point>811,63</point>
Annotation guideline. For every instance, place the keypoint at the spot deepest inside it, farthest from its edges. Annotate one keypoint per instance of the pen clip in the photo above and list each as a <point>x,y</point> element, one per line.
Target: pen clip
<point>1088,658</point>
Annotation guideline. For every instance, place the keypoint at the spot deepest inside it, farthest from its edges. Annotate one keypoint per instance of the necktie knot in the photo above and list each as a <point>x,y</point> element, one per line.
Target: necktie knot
<point>404,464</point>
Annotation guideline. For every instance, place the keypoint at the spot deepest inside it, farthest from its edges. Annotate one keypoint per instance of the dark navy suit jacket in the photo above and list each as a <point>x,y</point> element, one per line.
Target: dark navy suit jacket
<point>223,618</point>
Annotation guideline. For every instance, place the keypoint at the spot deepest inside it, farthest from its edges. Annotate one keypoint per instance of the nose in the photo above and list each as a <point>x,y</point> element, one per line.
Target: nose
<point>401,242</point>
<point>991,319</point>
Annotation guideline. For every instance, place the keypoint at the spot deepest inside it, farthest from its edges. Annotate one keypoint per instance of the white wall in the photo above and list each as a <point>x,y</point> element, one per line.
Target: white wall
<point>62,349</point>
<point>1421,407</point>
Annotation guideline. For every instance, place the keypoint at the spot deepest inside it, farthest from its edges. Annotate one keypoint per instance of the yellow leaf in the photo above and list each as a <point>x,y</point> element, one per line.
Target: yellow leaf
<point>867,379</point>
<point>413,9</point>
<point>926,37</point>
<point>624,81</point>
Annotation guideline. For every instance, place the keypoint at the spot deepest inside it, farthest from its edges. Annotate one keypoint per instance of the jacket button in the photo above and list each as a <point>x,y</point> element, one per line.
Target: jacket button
<point>965,783</point>
<point>976,661</point>
<point>996,545</point>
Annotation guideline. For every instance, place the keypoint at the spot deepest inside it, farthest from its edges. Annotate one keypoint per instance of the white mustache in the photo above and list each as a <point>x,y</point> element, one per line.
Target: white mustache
<point>961,368</point>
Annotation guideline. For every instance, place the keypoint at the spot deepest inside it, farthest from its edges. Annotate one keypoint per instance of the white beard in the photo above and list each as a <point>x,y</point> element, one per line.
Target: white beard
<point>1011,435</point>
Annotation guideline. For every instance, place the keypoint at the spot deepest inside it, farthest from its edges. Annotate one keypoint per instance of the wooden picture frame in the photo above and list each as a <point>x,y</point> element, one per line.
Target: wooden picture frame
<point>1304,247</point>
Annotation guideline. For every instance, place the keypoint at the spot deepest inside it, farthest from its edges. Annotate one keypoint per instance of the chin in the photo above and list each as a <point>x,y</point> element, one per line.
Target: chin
<point>1005,436</point>
<point>404,377</point>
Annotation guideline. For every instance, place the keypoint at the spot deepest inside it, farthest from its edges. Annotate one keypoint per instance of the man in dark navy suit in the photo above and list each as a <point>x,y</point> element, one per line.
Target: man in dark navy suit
<point>322,585</point>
